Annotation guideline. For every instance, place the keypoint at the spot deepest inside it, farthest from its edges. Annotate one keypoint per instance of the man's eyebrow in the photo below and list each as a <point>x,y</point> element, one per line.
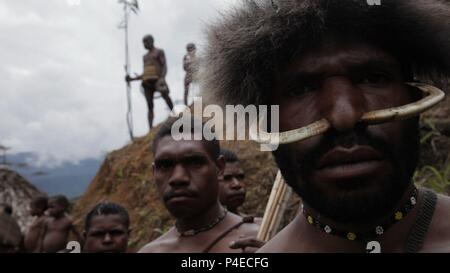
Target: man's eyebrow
<point>193,154</point>
<point>163,159</point>
<point>351,66</point>
<point>386,66</point>
<point>93,230</point>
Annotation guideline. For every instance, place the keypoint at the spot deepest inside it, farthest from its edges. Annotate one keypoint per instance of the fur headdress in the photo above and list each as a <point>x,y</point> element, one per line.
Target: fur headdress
<point>248,43</point>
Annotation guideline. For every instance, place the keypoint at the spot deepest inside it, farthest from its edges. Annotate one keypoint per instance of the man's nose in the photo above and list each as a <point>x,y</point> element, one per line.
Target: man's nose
<point>235,184</point>
<point>107,239</point>
<point>343,103</point>
<point>179,177</point>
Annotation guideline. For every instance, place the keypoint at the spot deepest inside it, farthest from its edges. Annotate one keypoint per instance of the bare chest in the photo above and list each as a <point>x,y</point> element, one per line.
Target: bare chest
<point>151,58</point>
<point>58,225</point>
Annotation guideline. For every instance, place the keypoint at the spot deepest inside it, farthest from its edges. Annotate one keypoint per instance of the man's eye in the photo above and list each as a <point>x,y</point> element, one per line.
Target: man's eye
<point>301,89</point>
<point>98,234</point>
<point>163,165</point>
<point>195,162</point>
<point>240,177</point>
<point>375,78</point>
<point>227,177</point>
<point>116,232</point>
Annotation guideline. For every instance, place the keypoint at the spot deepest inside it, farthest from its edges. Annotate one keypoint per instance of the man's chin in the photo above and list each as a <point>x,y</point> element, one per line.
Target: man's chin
<point>352,201</point>
<point>236,201</point>
<point>181,211</point>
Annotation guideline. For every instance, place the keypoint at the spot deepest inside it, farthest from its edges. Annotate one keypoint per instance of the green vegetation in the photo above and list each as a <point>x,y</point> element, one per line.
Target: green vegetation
<point>435,178</point>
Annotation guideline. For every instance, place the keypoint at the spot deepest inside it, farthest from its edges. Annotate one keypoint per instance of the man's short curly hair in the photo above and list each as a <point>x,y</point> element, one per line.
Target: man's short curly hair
<point>247,44</point>
<point>107,208</point>
<point>197,125</point>
<point>230,156</point>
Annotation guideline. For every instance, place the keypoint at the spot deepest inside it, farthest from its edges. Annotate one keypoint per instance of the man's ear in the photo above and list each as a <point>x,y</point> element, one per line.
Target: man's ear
<point>220,163</point>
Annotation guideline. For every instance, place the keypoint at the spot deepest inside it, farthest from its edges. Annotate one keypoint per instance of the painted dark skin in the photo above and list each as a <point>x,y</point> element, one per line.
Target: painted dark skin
<point>232,187</point>
<point>340,81</point>
<point>186,177</point>
<point>107,234</point>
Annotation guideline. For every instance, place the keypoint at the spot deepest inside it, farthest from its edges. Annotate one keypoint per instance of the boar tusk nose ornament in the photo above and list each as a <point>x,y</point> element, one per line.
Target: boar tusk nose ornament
<point>432,96</point>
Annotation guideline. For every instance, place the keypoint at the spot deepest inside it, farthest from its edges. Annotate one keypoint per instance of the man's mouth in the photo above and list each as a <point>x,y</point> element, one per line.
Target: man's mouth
<point>343,163</point>
<point>237,196</point>
<point>179,196</point>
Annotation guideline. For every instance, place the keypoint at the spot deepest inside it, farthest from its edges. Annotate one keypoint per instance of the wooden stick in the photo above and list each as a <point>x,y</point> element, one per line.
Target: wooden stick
<point>268,212</point>
<point>279,212</point>
<point>275,209</point>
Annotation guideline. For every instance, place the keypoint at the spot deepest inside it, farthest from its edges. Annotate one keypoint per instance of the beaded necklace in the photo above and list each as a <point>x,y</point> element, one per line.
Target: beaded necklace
<point>371,234</point>
<point>192,232</point>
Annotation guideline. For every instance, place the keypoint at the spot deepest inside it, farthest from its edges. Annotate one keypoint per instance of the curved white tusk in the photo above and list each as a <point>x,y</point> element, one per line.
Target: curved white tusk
<point>300,134</point>
<point>433,96</point>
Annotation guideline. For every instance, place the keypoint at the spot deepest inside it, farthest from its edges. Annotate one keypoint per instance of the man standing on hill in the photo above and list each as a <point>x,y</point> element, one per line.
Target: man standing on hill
<point>189,66</point>
<point>153,78</point>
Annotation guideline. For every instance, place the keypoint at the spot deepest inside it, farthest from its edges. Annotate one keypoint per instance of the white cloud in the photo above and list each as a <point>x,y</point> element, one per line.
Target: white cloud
<point>62,89</point>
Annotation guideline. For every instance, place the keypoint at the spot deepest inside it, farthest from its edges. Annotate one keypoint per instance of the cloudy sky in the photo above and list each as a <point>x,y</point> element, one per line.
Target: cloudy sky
<point>62,91</point>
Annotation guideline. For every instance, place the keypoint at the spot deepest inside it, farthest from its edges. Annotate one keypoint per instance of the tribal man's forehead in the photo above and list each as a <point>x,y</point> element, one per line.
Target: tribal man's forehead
<point>357,57</point>
<point>249,45</point>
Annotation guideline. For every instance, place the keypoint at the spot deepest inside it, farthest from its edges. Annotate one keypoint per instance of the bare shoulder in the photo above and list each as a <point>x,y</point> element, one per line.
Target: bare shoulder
<point>286,241</point>
<point>65,222</point>
<point>249,229</point>
<point>40,221</point>
<point>438,237</point>
<point>163,244</point>
<point>160,51</point>
<point>68,220</point>
<point>274,245</point>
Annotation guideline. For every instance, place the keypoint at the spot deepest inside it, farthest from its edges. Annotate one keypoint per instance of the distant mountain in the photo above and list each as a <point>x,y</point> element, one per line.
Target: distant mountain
<point>69,179</point>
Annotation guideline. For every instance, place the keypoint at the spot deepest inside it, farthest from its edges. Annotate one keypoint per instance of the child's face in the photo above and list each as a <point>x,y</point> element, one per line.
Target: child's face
<point>55,208</point>
<point>107,234</point>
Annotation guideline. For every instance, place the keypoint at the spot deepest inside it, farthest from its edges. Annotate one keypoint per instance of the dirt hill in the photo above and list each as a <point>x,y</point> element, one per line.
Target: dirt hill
<point>125,177</point>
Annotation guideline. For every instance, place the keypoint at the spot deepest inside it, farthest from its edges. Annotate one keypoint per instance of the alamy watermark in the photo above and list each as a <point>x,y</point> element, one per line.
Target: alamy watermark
<point>374,2</point>
<point>234,122</point>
